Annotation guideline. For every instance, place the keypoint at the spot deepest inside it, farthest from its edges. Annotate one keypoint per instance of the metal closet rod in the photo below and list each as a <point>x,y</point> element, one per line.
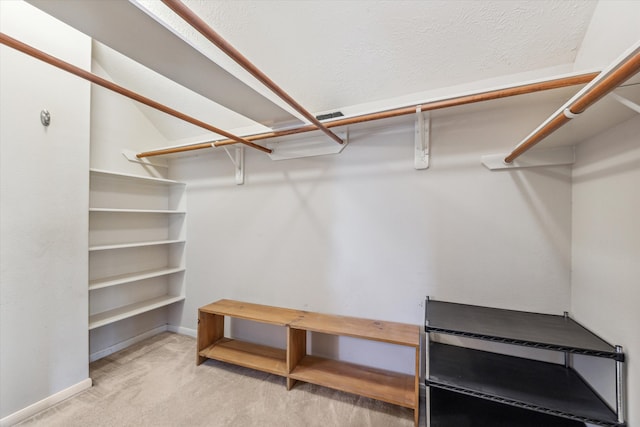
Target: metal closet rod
<point>427,106</point>
<point>602,85</point>
<point>203,28</point>
<point>56,62</point>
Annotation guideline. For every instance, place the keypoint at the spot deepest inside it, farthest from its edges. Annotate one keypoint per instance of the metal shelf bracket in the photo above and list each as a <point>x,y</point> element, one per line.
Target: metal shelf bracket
<point>238,162</point>
<point>422,139</point>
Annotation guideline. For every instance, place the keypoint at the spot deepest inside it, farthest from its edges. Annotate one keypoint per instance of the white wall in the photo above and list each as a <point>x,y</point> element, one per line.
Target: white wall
<point>606,244</point>
<point>364,234</point>
<point>613,29</point>
<point>43,213</point>
<point>117,124</point>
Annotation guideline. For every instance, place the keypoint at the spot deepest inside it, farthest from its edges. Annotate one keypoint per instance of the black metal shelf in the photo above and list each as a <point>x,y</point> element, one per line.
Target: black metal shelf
<point>546,331</point>
<point>539,386</point>
<point>450,409</point>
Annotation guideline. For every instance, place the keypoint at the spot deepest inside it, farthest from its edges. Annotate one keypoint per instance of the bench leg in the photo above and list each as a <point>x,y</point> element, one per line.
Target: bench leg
<point>210,330</point>
<point>296,350</point>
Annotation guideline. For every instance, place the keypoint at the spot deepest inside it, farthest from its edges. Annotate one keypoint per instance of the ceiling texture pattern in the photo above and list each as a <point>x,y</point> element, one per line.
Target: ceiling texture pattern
<point>332,54</point>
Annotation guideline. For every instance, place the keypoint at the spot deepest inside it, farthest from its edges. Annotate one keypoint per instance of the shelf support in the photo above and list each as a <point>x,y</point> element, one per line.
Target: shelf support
<point>427,388</point>
<point>294,147</point>
<point>567,356</point>
<point>549,157</point>
<point>238,162</point>
<point>422,139</point>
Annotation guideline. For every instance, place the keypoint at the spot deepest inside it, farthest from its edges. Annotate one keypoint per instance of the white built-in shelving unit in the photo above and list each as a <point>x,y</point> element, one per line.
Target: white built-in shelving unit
<point>137,231</point>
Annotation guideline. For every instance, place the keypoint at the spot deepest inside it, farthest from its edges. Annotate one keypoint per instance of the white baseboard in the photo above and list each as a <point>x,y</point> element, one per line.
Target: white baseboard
<point>45,403</point>
<point>126,343</point>
<point>182,331</point>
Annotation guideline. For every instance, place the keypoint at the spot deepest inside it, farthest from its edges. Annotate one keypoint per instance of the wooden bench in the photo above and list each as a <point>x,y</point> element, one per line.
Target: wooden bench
<point>295,364</point>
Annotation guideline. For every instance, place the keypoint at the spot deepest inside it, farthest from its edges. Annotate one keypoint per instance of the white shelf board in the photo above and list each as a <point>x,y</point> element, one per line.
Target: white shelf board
<point>148,42</point>
<point>133,245</point>
<point>131,176</point>
<point>111,316</point>
<point>160,211</point>
<point>132,277</point>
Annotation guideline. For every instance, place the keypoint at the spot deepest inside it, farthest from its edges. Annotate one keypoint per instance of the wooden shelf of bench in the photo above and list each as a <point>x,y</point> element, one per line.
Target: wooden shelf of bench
<point>293,362</point>
<point>249,355</point>
<point>255,312</point>
<point>378,384</point>
<point>389,332</point>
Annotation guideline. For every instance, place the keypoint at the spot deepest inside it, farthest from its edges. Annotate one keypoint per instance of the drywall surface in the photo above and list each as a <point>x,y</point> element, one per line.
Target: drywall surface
<point>118,124</point>
<point>43,212</point>
<point>364,234</point>
<point>613,29</point>
<point>606,245</point>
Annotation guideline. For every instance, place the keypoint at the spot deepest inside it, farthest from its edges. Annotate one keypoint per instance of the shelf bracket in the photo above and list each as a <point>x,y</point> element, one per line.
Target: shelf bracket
<point>534,158</point>
<point>422,139</point>
<point>132,157</point>
<point>238,163</point>
<point>626,102</point>
<point>295,147</point>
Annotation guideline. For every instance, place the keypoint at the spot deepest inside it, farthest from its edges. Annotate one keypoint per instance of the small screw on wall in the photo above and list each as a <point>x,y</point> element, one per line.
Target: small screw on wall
<point>45,117</point>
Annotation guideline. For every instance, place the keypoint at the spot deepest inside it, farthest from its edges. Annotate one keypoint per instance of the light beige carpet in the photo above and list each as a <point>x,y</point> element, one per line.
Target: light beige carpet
<point>157,383</point>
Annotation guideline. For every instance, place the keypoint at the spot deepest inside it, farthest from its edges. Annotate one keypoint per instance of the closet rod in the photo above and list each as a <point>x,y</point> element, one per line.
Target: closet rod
<point>203,28</point>
<point>426,106</point>
<point>603,84</point>
<point>56,62</point>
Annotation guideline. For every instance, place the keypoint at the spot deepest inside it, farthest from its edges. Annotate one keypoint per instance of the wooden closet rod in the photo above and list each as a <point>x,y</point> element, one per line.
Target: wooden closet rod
<point>56,62</point>
<point>603,84</point>
<point>427,106</point>
<point>203,28</point>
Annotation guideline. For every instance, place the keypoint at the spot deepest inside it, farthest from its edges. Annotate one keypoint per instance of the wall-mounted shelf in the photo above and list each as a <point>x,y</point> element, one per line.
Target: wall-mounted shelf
<point>127,176</point>
<point>134,211</point>
<point>552,389</point>
<point>132,277</point>
<point>136,251</point>
<point>133,245</point>
<point>107,317</point>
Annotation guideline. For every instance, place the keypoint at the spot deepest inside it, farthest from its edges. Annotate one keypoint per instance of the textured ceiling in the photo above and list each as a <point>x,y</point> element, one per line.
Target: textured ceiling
<point>332,54</point>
